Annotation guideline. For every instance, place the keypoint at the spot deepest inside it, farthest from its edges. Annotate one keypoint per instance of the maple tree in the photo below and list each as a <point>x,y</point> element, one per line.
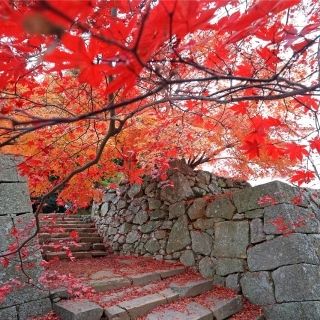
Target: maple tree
<point>92,91</point>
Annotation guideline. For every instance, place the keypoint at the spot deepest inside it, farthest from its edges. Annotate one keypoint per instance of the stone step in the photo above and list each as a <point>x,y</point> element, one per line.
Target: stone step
<point>192,311</point>
<point>192,288</point>
<point>78,310</point>
<point>98,246</point>
<point>135,308</point>
<point>216,308</point>
<point>59,217</point>
<point>223,308</point>
<point>66,234</point>
<point>115,283</point>
<point>136,280</point>
<point>68,225</point>
<point>88,239</point>
<point>79,255</point>
<point>63,220</point>
<point>65,229</point>
<point>74,248</point>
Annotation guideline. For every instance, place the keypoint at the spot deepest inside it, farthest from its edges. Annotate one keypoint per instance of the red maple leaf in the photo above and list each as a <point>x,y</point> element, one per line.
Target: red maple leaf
<point>295,151</point>
<point>240,108</point>
<point>274,152</point>
<point>74,235</point>
<point>251,148</point>
<point>302,176</point>
<point>315,144</point>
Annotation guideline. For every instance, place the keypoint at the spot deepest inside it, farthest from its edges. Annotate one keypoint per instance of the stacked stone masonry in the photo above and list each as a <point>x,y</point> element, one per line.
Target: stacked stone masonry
<point>262,241</point>
<point>24,300</point>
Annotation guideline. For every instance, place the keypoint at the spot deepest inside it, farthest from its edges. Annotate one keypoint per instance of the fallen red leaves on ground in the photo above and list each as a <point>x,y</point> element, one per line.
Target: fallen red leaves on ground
<point>249,312</point>
<point>119,265</point>
<point>48,316</point>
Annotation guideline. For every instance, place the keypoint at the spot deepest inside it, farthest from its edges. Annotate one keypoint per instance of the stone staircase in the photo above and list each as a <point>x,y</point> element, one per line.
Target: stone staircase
<point>61,234</point>
<point>195,299</point>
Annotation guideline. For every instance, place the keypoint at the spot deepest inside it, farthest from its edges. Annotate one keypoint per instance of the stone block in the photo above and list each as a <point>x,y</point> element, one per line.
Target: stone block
<point>150,226</point>
<point>160,234</point>
<point>219,280</point>
<point>152,246</point>
<point>5,227</point>
<point>35,308</point>
<point>181,190</point>
<point>207,267</point>
<point>158,214</point>
<point>255,198</point>
<point>187,258</point>
<point>192,288</point>
<point>220,208</point>
<point>9,313</point>
<point>139,307</point>
<point>197,209</point>
<point>134,191</point>
<point>8,169</point>
<point>225,266</point>
<point>104,209</point>
<point>171,272</point>
<point>283,250</point>
<point>110,284</point>
<point>233,282</point>
<point>169,294</point>
<point>78,310</point>
<point>231,239</point>
<point>116,313</point>
<point>193,311</point>
<point>223,308</point>
<point>202,243</point>
<point>256,213</point>
<point>177,210</point>
<point>145,278</point>
<point>256,231</point>
<point>204,224</point>
<point>154,203</point>
<point>298,282</point>
<point>27,292</point>
<point>203,177</point>
<point>309,310</point>
<point>140,217</point>
<point>285,218</point>
<point>133,236</point>
<point>17,198</point>
<point>257,287</point>
<point>179,236</point>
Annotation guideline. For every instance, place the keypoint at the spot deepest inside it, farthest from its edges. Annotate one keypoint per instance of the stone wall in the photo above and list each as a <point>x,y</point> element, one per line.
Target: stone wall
<point>262,241</point>
<point>25,300</point>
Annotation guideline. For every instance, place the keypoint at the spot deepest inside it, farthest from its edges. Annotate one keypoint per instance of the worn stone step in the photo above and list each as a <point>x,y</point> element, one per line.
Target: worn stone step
<point>67,229</point>
<point>88,239</point>
<point>79,247</point>
<point>81,229</point>
<point>192,311</point>
<point>213,308</point>
<point>110,284</point>
<point>79,255</point>
<point>98,246</point>
<point>78,310</point>
<point>66,234</point>
<point>59,218</point>
<point>140,306</point>
<point>67,225</point>
<point>223,308</point>
<point>192,288</point>
<point>139,279</point>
